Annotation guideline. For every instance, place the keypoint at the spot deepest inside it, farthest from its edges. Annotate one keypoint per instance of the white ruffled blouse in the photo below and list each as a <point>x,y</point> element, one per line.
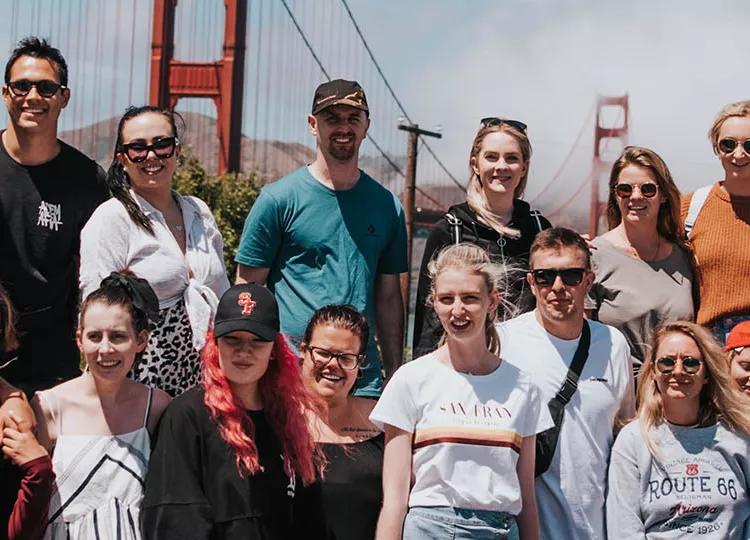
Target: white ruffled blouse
<point>111,242</point>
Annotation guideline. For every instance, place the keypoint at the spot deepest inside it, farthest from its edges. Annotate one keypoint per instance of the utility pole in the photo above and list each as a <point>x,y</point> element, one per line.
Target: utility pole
<point>410,184</point>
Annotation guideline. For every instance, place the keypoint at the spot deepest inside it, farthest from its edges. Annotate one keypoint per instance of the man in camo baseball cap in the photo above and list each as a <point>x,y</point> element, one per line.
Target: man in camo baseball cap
<point>339,92</point>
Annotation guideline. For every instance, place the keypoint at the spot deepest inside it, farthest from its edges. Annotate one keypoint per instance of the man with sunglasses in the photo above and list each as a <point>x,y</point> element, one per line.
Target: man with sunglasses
<point>717,222</point>
<point>48,190</point>
<point>328,233</point>
<point>544,342</point>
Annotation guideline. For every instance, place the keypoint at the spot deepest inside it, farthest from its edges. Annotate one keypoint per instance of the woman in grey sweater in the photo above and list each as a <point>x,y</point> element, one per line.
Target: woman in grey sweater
<point>682,468</point>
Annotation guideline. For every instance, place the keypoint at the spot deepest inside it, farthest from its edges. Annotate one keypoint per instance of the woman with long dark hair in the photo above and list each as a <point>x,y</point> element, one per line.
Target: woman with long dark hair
<point>333,348</point>
<point>169,239</point>
<point>229,452</point>
<point>644,269</point>
<point>682,468</point>
<point>461,423</point>
<point>493,217</point>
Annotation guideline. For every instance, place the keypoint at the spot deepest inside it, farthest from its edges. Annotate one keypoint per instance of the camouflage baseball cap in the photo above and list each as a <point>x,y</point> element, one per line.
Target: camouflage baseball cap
<point>339,92</point>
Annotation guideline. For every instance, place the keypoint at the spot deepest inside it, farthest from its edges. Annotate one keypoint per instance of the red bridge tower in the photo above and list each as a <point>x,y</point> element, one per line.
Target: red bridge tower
<point>222,80</point>
<point>601,167</point>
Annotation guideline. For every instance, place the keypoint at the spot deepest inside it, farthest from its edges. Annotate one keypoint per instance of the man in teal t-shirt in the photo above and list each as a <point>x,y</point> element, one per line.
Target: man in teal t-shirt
<point>329,234</point>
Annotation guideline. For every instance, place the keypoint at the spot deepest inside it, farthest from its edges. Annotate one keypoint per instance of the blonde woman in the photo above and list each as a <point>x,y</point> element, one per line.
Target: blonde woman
<point>493,217</point>
<point>682,468</point>
<point>460,423</point>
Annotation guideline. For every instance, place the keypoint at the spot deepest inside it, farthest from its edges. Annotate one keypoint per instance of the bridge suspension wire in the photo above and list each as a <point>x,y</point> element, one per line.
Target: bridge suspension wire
<point>565,161</point>
<point>393,94</point>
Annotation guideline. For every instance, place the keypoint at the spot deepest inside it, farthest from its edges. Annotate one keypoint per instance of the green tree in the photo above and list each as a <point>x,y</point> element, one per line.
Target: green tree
<point>229,196</point>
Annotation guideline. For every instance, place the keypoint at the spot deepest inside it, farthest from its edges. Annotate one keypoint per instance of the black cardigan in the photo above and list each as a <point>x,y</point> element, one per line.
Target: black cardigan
<point>427,328</point>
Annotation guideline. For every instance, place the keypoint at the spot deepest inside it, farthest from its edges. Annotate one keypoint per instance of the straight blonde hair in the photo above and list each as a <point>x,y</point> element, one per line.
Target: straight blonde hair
<point>720,399</point>
<point>475,196</point>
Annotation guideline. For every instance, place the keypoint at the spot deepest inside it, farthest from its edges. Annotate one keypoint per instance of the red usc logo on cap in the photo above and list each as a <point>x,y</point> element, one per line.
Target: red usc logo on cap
<point>245,299</point>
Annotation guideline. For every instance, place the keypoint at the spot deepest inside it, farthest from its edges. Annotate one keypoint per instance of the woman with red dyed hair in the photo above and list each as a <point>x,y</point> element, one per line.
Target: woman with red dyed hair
<point>228,452</point>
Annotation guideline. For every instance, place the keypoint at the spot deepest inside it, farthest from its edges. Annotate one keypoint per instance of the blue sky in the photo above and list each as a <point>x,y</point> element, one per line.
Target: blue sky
<point>451,63</point>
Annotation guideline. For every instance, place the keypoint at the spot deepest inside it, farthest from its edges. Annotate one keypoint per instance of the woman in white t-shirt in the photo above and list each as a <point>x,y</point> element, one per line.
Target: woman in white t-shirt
<point>460,423</point>
<point>682,468</point>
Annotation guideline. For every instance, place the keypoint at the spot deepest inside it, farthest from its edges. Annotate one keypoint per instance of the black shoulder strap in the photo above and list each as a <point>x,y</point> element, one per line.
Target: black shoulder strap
<point>570,385</point>
<point>455,224</point>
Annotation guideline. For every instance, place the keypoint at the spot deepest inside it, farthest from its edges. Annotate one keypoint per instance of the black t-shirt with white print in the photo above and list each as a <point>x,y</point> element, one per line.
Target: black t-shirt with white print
<point>42,211</point>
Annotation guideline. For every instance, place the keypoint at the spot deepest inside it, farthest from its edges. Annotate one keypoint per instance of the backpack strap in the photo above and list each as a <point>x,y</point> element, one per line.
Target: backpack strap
<point>696,203</point>
<point>455,225</point>
<point>536,214</point>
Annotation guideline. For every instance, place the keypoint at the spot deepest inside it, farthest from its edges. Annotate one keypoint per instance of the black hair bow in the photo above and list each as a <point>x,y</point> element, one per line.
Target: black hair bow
<point>142,295</point>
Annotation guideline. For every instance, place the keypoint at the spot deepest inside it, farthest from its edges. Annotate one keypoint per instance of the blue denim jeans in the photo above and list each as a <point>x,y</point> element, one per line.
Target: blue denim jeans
<point>448,523</point>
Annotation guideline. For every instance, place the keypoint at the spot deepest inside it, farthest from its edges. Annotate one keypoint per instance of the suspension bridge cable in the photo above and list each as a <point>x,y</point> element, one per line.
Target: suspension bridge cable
<point>304,38</point>
<point>431,199</point>
<point>325,72</point>
<point>393,94</point>
<point>567,157</point>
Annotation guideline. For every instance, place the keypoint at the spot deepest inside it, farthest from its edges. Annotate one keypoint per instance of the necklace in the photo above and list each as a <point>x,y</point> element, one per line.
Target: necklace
<point>635,252</point>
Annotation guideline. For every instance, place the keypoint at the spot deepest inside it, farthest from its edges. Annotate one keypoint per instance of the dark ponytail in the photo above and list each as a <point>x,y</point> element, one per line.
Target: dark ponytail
<point>117,179</point>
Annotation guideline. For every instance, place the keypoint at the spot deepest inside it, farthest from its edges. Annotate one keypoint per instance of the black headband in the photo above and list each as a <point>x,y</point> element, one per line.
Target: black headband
<point>141,294</point>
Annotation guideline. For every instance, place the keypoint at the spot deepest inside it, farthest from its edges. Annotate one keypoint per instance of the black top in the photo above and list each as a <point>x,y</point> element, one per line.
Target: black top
<point>193,488</point>
<point>346,503</point>
<point>427,328</point>
<point>42,211</point>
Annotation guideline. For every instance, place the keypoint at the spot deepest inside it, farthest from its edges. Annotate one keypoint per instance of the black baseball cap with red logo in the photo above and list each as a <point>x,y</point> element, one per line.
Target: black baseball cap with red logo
<point>339,92</point>
<point>248,307</point>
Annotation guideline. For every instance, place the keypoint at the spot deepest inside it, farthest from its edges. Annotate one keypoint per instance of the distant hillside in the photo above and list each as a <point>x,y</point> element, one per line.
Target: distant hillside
<point>272,159</point>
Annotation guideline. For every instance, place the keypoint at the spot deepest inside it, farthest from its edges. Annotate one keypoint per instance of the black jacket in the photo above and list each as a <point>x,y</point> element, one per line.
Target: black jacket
<point>427,328</point>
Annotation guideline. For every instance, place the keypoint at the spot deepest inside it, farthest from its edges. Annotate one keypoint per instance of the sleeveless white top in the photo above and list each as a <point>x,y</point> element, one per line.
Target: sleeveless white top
<point>100,480</point>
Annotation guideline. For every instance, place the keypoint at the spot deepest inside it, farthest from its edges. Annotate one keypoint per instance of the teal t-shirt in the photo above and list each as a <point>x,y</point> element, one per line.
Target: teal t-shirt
<point>326,247</point>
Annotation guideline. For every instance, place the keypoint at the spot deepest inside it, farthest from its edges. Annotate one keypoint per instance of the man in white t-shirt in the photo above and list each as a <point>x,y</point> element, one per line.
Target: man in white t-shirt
<point>570,494</point>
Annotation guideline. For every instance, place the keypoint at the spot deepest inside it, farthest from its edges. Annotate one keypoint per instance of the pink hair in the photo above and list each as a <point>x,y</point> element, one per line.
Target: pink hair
<point>285,401</point>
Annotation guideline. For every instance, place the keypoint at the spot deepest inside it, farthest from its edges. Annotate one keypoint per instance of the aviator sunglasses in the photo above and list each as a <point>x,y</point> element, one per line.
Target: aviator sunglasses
<point>690,364</point>
<point>322,357</point>
<point>492,121</point>
<point>45,88</point>
<point>648,189</point>
<point>547,276</point>
<point>727,146</point>
<point>137,152</point>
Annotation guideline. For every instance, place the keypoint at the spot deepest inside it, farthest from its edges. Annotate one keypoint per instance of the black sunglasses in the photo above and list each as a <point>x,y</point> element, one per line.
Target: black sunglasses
<point>137,152</point>
<point>547,276</point>
<point>727,146</point>
<point>322,357</point>
<point>690,364</point>
<point>492,121</point>
<point>648,189</point>
<point>46,88</point>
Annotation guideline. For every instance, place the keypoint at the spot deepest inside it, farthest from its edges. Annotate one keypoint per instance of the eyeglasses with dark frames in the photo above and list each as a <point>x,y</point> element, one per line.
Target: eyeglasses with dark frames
<point>492,121</point>
<point>322,357</point>
<point>667,364</point>
<point>45,87</point>
<point>546,277</point>
<point>648,189</point>
<point>727,146</point>
<point>137,152</point>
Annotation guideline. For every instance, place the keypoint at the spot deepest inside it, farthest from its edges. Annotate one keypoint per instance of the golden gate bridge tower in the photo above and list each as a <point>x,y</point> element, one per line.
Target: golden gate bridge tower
<point>222,80</point>
<point>601,164</point>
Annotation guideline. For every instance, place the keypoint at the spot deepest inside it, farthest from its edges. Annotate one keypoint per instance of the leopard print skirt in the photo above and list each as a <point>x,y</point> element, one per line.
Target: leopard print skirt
<point>170,361</point>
